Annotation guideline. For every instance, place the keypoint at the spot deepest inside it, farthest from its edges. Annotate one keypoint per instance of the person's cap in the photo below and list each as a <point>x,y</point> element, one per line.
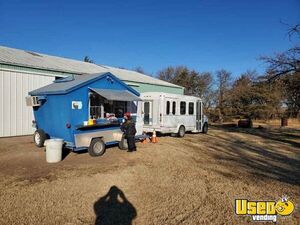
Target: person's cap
<point>127,114</point>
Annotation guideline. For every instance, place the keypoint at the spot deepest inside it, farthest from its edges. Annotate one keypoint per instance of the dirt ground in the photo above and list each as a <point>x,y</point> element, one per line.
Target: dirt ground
<point>190,180</point>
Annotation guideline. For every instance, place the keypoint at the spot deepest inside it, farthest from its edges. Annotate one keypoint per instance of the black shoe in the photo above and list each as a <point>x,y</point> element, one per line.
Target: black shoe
<point>129,151</point>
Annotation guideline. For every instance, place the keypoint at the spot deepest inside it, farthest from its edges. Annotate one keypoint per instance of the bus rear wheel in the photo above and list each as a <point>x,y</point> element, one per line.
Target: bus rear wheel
<point>181,131</point>
<point>205,128</point>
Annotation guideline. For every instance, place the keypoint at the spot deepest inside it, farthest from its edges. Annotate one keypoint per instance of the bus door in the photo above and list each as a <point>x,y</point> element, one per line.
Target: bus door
<point>199,116</point>
<point>147,112</point>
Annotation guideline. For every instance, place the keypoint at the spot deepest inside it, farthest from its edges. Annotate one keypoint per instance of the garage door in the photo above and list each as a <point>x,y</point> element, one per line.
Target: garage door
<point>15,117</point>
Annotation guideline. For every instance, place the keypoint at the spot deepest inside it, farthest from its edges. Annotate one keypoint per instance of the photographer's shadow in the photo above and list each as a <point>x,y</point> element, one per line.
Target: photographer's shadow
<point>114,209</point>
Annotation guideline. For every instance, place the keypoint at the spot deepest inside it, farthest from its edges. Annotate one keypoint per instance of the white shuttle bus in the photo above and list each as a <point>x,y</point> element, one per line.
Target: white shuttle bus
<point>172,113</point>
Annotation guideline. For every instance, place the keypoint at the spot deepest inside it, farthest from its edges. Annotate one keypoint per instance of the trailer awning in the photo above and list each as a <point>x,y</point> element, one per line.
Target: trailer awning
<point>116,95</point>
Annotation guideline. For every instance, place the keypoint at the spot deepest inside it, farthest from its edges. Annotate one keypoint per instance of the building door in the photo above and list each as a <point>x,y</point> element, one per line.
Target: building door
<point>147,112</point>
<point>199,116</point>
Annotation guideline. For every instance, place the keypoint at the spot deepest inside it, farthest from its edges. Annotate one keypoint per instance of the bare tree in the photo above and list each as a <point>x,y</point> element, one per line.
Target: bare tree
<point>249,98</point>
<point>179,75</point>
<point>87,59</point>
<point>291,91</point>
<point>287,62</point>
<point>292,30</point>
<point>223,82</point>
<point>195,83</point>
<point>167,74</point>
<point>283,63</point>
<point>139,69</point>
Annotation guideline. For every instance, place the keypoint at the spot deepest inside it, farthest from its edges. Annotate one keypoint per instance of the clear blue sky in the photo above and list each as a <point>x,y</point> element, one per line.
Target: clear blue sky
<point>205,35</point>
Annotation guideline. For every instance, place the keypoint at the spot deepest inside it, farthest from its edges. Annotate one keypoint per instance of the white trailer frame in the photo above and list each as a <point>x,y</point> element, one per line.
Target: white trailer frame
<point>168,113</point>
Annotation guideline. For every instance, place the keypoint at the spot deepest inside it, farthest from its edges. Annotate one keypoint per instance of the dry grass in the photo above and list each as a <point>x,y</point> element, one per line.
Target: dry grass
<point>269,124</point>
<point>292,123</point>
<point>193,180</point>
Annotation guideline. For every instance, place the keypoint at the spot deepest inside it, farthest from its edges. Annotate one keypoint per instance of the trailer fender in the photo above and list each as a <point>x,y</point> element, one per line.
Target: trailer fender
<point>84,140</point>
<point>107,136</point>
<point>118,136</point>
<point>98,137</point>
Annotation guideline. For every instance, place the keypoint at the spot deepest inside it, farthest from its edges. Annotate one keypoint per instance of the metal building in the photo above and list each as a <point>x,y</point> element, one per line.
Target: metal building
<point>23,71</point>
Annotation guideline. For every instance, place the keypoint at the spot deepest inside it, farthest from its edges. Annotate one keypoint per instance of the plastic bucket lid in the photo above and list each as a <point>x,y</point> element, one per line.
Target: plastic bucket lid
<point>53,141</point>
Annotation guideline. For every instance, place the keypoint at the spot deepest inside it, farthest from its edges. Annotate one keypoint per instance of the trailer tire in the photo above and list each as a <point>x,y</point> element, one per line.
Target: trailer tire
<point>123,143</point>
<point>97,147</point>
<point>181,131</point>
<point>205,128</point>
<point>39,138</point>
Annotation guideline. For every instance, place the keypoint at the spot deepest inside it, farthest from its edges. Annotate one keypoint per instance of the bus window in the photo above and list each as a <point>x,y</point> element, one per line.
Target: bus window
<point>182,108</point>
<point>168,108</point>
<point>191,108</point>
<point>174,108</point>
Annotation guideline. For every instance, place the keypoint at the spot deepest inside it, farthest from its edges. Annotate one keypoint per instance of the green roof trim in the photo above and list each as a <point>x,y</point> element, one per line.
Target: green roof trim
<point>33,70</point>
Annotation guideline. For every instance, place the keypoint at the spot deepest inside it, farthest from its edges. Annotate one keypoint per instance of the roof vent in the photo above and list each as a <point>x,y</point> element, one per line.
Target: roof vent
<point>64,79</point>
<point>33,53</point>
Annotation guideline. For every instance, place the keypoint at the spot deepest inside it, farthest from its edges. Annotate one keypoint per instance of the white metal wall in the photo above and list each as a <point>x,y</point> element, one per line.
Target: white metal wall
<point>15,117</point>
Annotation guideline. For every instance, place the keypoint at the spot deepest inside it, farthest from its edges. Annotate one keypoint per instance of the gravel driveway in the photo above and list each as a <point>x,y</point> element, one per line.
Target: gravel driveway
<point>190,180</point>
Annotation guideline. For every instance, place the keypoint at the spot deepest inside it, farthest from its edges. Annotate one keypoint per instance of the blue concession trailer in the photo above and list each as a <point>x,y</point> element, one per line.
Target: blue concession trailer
<point>85,111</point>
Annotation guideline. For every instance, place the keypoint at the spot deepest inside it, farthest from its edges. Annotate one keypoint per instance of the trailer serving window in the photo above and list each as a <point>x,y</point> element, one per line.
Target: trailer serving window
<point>191,108</point>
<point>182,108</point>
<point>174,108</point>
<point>168,107</point>
<point>101,107</point>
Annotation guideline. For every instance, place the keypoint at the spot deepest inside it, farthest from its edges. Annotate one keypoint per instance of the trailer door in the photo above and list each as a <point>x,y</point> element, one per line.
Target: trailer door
<point>198,116</point>
<point>147,112</point>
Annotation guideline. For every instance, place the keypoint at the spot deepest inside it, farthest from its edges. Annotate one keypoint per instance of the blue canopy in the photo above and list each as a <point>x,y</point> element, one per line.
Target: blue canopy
<point>116,95</point>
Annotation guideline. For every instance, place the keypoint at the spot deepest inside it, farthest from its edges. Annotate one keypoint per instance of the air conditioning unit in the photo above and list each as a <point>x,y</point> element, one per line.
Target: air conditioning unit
<point>32,101</point>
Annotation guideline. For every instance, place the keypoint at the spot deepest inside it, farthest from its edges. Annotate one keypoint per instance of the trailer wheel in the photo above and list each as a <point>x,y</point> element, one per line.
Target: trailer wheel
<point>123,143</point>
<point>205,128</point>
<point>39,138</point>
<point>181,131</point>
<point>97,147</point>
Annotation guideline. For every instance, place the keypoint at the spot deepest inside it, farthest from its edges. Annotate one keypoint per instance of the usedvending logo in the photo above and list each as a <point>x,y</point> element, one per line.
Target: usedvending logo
<point>264,210</point>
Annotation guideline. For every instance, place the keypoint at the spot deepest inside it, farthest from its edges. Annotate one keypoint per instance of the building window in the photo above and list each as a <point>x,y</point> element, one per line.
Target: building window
<point>168,108</point>
<point>182,108</point>
<point>191,108</point>
<point>174,108</point>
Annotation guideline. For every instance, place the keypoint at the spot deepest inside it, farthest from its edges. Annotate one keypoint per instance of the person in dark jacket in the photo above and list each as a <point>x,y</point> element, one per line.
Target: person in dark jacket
<point>128,128</point>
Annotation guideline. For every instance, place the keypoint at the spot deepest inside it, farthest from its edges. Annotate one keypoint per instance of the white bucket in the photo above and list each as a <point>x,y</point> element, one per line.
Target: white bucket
<point>54,150</point>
